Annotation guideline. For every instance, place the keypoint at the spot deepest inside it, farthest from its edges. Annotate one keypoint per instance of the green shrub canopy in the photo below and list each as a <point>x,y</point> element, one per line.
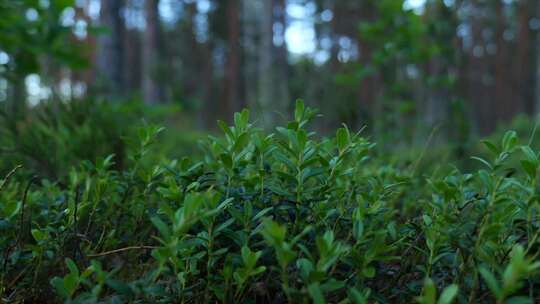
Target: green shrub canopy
<point>272,218</point>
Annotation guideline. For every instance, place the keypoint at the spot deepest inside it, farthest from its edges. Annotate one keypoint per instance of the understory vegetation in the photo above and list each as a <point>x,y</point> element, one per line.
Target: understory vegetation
<point>285,216</point>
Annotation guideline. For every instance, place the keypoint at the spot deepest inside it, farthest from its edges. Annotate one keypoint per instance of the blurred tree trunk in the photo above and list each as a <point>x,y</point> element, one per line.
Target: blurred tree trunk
<point>150,54</point>
<point>267,104</point>
<point>232,99</point>
<point>16,104</point>
<point>207,79</point>
<point>435,101</point>
<point>88,75</point>
<point>500,84</point>
<point>250,68</point>
<point>440,93</point>
<point>133,60</point>
<point>522,78</point>
<point>476,90</point>
<point>370,84</point>
<point>530,66</point>
<point>111,51</point>
<point>537,67</point>
<point>281,65</point>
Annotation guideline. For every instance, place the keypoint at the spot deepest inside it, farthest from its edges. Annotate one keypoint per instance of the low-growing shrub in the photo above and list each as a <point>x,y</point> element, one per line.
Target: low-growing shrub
<point>274,218</point>
<point>55,136</point>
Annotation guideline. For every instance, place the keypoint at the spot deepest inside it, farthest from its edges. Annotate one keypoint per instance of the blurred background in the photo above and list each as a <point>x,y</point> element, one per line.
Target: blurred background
<point>411,71</point>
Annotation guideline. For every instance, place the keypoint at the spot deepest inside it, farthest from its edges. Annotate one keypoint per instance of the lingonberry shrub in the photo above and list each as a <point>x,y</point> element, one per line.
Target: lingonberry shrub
<point>274,217</point>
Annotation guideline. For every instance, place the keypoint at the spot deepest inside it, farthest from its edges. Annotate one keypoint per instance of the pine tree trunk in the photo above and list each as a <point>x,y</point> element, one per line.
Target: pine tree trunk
<point>537,59</point>
<point>522,66</point>
<point>250,29</point>
<point>232,101</point>
<point>150,54</point>
<point>436,107</point>
<point>111,51</point>
<point>267,106</point>
<point>281,64</point>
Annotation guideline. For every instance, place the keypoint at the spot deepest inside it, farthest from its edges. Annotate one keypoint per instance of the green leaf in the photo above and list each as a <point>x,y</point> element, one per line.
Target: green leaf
<point>316,293</point>
<point>356,296</point>
<point>530,155</point>
<point>519,300</point>
<point>225,128</point>
<point>483,161</point>
<point>448,295</point>
<point>430,292</point>
<point>226,159</point>
<point>38,234</point>
<point>245,117</point>
<point>491,282</point>
<point>249,257</point>
<point>368,272</point>
<point>162,227</point>
<point>58,284</point>
<point>241,120</point>
<point>529,168</point>
<point>491,147</point>
<point>258,270</point>
<point>509,140</point>
<point>342,138</point>
<point>299,110</point>
<point>72,267</point>
<point>301,138</point>
<point>224,225</point>
<point>71,283</point>
<point>241,142</point>
<point>358,229</point>
<point>262,213</point>
<point>427,219</point>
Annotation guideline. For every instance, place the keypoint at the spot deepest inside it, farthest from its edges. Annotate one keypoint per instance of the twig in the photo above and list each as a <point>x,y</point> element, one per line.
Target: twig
<point>12,283</point>
<point>23,204</point>
<point>531,138</point>
<point>21,224</point>
<point>8,176</point>
<point>75,226</point>
<point>121,250</point>
<point>77,198</point>
<point>426,146</point>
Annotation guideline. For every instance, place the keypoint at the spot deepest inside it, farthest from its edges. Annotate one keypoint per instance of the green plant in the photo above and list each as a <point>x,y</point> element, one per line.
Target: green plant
<point>274,217</point>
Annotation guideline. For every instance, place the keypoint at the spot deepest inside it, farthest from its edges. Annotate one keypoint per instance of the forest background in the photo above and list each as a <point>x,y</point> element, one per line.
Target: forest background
<point>408,71</point>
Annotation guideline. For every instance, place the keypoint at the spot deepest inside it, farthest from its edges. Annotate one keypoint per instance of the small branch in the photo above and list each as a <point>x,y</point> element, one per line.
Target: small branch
<point>21,223</point>
<point>76,234</point>
<point>77,199</point>
<point>121,250</point>
<point>23,204</point>
<point>12,283</point>
<point>8,176</point>
<point>426,146</point>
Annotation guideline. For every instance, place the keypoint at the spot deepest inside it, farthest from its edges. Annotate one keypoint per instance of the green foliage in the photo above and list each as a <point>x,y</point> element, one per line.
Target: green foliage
<point>27,40</point>
<point>263,217</point>
<point>56,136</point>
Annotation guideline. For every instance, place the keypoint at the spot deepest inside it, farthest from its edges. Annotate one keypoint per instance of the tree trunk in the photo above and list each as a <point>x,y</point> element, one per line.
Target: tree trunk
<point>537,59</point>
<point>438,94</point>
<point>281,64</point>
<point>111,51</point>
<point>476,89</point>
<point>150,53</point>
<point>250,27</point>
<point>266,100</point>
<point>232,101</point>
<point>521,79</point>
